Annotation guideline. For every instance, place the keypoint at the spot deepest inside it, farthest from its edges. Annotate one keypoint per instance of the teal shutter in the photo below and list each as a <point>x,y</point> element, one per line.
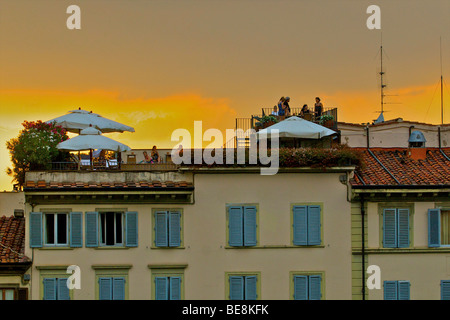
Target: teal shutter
<point>118,288</point>
<point>63,290</point>
<point>161,237</point>
<point>250,238</point>
<point>91,222</point>
<point>161,288</point>
<point>390,290</point>
<point>403,228</point>
<point>236,287</point>
<point>105,288</point>
<point>300,288</point>
<point>174,229</point>
<point>300,225</point>
<point>36,229</point>
<point>250,287</point>
<point>49,288</point>
<point>131,227</point>
<point>314,237</point>
<point>235,226</point>
<point>445,289</point>
<point>403,290</point>
<point>76,229</point>
<point>434,227</point>
<point>175,288</point>
<point>389,228</point>
<point>315,287</point>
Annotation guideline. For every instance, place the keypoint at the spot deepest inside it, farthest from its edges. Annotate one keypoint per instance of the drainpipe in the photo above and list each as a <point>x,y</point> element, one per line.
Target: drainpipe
<point>439,137</point>
<point>367,129</point>
<point>363,265</point>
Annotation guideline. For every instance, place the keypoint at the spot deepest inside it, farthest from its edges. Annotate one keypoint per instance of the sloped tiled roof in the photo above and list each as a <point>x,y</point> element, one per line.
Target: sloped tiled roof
<point>42,185</point>
<point>12,240</point>
<point>395,168</point>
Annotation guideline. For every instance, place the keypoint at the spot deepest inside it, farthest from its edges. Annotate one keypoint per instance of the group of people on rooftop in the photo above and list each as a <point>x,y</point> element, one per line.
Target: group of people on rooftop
<point>282,109</point>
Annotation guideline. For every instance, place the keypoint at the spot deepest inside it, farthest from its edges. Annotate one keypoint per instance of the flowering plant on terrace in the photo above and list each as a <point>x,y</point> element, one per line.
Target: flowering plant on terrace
<point>35,148</point>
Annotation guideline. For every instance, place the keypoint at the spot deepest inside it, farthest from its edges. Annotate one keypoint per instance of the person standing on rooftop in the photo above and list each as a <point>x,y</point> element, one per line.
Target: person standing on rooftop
<point>318,108</point>
<point>287,109</point>
<point>281,107</point>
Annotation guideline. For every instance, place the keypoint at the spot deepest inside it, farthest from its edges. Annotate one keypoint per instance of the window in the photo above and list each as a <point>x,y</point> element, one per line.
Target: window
<point>56,289</point>
<point>307,225</point>
<point>307,287</point>
<point>243,287</point>
<point>445,289</point>
<point>168,288</point>
<point>109,228</point>
<point>7,294</point>
<point>438,227</point>
<point>55,229</point>
<point>111,288</point>
<point>396,290</point>
<point>167,226</point>
<point>396,228</point>
<point>242,227</point>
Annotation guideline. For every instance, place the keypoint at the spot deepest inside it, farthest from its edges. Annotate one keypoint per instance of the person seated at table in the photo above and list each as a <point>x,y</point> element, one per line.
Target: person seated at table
<point>304,110</point>
<point>147,158</point>
<point>275,111</point>
<point>155,155</point>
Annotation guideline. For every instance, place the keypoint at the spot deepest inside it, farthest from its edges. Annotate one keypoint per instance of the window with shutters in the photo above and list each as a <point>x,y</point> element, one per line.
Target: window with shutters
<point>53,283</point>
<point>56,229</point>
<point>396,290</point>
<point>243,286</point>
<point>168,284</point>
<point>307,225</point>
<point>307,285</point>
<point>438,227</point>
<point>108,228</point>
<point>242,225</point>
<point>167,228</point>
<point>445,289</point>
<point>50,229</point>
<point>8,294</point>
<point>396,227</point>
<point>111,284</point>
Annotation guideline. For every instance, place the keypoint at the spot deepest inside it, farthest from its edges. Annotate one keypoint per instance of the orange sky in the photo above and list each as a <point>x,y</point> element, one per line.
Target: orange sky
<point>161,65</point>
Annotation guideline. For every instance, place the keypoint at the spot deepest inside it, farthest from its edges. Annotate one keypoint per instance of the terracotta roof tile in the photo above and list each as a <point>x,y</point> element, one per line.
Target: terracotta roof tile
<point>433,170</point>
<point>12,240</point>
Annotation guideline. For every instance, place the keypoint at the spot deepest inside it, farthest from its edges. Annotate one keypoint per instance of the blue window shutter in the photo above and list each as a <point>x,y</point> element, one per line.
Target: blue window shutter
<point>49,288</point>
<point>403,290</point>
<point>131,227</point>
<point>236,287</point>
<point>390,228</point>
<point>301,288</point>
<point>251,287</point>
<point>36,229</point>
<point>315,287</point>
<point>250,238</point>
<point>161,237</point>
<point>403,228</point>
<point>445,289</point>
<point>300,225</point>
<point>235,226</point>
<point>434,227</point>
<point>161,288</point>
<point>175,288</point>
<point>174,229</point>
<point>91,222</point>
<point>63,290</point>
<point>314,237</point>
<point>390,290</point>
<point>76,229</point>
<point>118,288</point>
<point>105,288</point>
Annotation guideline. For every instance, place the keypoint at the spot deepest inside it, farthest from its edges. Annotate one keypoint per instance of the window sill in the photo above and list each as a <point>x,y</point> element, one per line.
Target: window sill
<point>167,248</point>
<point>402,250</point>
<point>275,247</point>
<point>110,248</point>
<point>56,248</point>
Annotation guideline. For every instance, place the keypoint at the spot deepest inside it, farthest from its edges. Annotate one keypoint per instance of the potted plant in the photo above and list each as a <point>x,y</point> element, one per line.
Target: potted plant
<point>327,120</point>
<point>266,121</point>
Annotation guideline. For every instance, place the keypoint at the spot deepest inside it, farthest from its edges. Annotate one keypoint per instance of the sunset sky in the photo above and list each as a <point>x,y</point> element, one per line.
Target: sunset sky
<point>159,65</point>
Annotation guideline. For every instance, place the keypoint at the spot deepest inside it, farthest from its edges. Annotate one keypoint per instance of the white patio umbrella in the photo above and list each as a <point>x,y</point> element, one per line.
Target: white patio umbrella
<point>89,139</point>
<point>295,127</point>
<point>77,120</point>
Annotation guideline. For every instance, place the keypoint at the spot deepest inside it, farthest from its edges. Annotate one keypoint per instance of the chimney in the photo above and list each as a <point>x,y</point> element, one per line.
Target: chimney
<point>417,150</point>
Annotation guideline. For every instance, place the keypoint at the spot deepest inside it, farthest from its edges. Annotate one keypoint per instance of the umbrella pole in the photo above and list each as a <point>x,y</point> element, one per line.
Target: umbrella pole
<point>90,157</point>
